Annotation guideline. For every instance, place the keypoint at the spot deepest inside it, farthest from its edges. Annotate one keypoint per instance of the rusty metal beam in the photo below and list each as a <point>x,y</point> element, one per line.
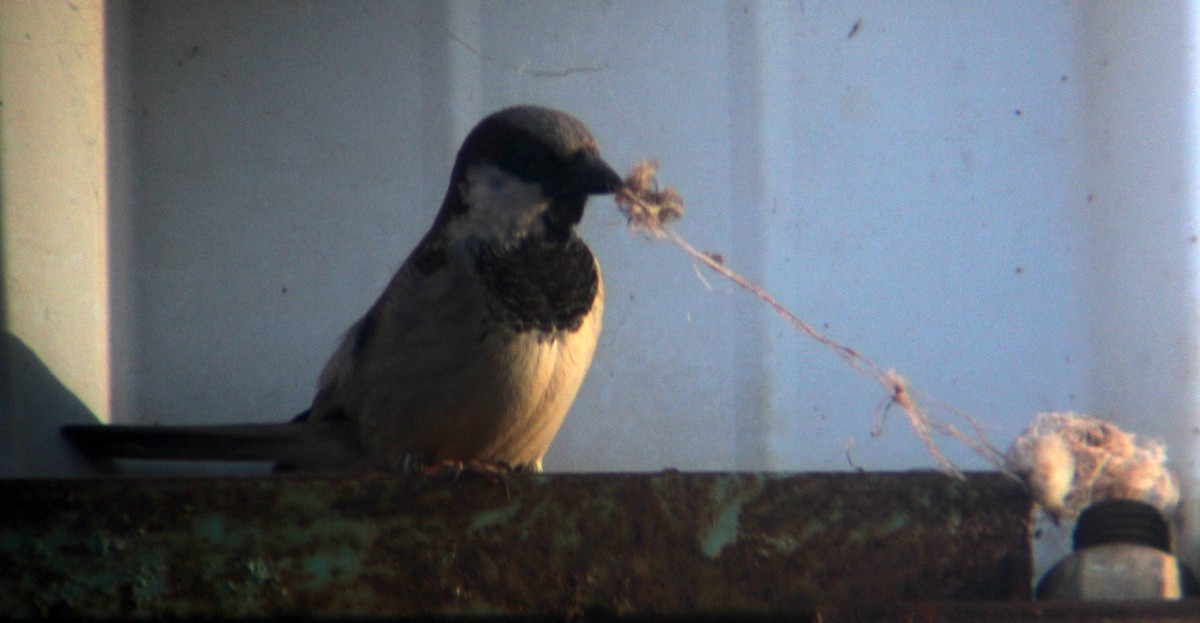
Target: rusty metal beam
<point>1184,611</point>
<point>548,545</point>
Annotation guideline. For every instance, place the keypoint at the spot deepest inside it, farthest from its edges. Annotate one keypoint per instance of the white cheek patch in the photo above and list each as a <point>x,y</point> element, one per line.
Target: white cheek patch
<point>500,205</point>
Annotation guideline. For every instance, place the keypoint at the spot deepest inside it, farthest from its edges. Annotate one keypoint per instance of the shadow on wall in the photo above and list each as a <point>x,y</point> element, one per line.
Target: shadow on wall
<point>34,404</point>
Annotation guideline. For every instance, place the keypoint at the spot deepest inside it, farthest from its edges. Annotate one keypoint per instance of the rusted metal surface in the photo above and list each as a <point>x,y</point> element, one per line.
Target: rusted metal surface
<point>553,545</point>
<point>1187,611</point>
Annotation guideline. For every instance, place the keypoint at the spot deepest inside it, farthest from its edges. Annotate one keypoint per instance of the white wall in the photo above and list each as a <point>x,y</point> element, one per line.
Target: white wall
<point>53,229</point>
<point>994,198</point>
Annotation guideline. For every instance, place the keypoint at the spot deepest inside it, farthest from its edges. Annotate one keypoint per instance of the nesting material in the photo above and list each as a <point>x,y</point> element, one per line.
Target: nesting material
<point>1070,461</point>
<point>647,207</point>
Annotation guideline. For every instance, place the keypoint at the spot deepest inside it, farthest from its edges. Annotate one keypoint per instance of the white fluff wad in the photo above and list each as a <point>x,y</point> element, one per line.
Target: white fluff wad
<point>1070,461</point>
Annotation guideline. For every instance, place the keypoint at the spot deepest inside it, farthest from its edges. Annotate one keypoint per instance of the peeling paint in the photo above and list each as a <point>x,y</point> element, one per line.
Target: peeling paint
<point>723,531</point>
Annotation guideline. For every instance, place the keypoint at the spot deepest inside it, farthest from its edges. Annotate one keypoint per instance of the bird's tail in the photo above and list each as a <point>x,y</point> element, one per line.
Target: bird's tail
<point>305,445</point>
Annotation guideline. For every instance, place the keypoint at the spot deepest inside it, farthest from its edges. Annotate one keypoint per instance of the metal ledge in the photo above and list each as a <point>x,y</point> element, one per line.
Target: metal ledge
<point>557,546</point>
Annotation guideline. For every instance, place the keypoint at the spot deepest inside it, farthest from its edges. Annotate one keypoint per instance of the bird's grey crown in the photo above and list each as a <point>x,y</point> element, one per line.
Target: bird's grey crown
<point>559,132</point>
<point>533,143</point>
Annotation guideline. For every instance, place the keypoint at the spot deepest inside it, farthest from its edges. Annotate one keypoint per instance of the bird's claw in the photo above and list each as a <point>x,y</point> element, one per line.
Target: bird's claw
<point>495,472</point>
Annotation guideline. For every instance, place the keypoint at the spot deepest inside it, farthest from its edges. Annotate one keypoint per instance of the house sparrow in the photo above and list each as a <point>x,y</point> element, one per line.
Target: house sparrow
<point>473,352</point>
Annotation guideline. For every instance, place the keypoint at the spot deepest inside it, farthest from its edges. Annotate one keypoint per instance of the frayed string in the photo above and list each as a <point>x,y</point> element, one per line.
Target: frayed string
<point>648,208</point>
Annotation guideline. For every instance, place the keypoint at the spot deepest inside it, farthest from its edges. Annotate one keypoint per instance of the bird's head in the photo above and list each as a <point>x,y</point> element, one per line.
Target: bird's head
<point>524,170</point>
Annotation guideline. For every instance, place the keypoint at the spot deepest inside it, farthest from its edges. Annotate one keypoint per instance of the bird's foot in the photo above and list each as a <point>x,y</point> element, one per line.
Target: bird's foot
<point>488,469</point>
<point>495,472</point>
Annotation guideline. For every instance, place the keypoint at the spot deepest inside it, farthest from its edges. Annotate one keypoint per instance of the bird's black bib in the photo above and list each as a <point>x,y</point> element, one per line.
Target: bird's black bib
<point>540,284</point>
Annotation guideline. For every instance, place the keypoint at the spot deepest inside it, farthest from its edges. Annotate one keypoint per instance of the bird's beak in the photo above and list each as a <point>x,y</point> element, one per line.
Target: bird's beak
<point>590,175</point>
